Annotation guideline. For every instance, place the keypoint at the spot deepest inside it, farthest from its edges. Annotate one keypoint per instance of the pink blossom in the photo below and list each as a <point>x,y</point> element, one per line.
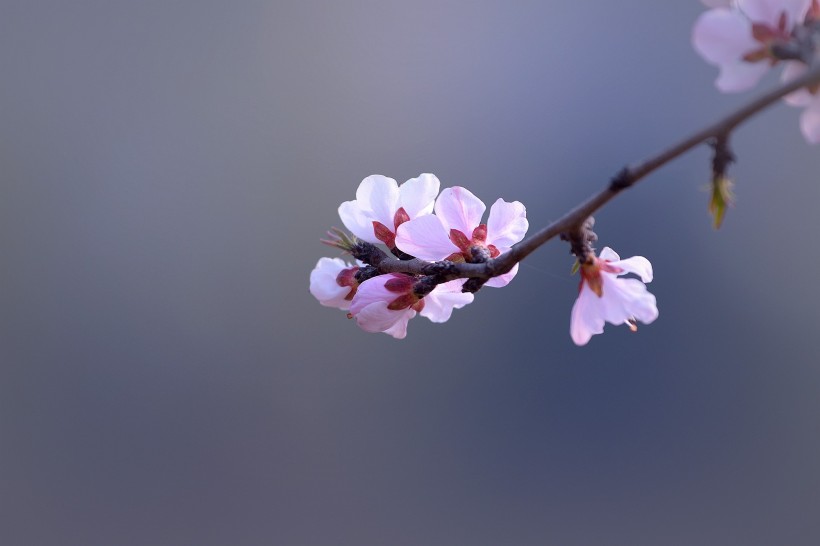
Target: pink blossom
<point>387,303</point>
<point>738,37</point>
<point>456,233</point>
<point>381,206</point>
<point>808,99</point>
<point>333,282</point>
<point>605,297</point>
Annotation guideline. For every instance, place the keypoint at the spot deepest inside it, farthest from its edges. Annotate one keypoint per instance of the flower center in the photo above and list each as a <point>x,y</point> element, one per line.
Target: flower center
<point>472,249</point>
<point>591,274</point>
<point>768,37</point>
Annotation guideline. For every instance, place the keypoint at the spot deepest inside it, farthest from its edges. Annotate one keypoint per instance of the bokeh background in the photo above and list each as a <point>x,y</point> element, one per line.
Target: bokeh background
<point>166,171</point>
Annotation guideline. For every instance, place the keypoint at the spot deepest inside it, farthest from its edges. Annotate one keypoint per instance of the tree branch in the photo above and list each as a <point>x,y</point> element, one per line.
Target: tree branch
<point>572,222</point>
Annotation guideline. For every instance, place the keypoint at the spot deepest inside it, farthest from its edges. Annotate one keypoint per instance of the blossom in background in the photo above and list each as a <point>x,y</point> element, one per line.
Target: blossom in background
<point>455,231</point>
<point>386,303</point>
<point>605,297</point>
<point>333,282</point>
<point>381,205</point>
<point>808,99</point>
<point>738,37</point>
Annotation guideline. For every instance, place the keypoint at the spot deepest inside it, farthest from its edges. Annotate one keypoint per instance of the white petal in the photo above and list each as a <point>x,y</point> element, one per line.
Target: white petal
<point>801,97</point>
<point>507,223</point>
<point>357,221</point>
<point>768,11</point>
<point>637,265</point>
<point>323,283</point>
<point>585,320</point>
<point>425,238</point>
<point>418,195</point>
<point>439,304</point>
<point>503,280</point>
<point>626,298</point>
<point>609,255</point>
<point>810,122</point>
<point>723,36</point>
<point>459,209</point>
<point>380,196</point>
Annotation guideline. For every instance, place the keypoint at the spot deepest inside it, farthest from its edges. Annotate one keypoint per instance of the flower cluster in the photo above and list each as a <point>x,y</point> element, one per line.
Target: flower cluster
<point>413,221</point>
<point>746,38</point>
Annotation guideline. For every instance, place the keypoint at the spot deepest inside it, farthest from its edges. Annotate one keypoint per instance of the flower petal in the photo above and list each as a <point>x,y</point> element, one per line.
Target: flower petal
<point>810,122</point>
<point>418,195</point>
<point>357,221</point>
<point>323,283</point>
<point>503,280</point>
<point>399,330</point>
<point>380,196</point>
<point>459,209</point>
<point>723,36</point>
<point>609,255</point>
<point>376,317</point>
<point>624,299</point>
<point>425,238</point>
<point>585,320</point>
<point>439,304</point>
<point>793,70</point>
<point>373,291</point>
<point>637,265</point>
<point>507,223</point>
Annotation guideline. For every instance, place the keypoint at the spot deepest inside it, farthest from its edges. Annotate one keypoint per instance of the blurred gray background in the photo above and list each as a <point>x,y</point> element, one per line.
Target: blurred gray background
<point>166,171</point>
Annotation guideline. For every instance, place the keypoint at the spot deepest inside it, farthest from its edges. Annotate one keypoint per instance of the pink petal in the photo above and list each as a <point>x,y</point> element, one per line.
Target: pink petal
<point>503,280</point>
<point>609,255</point>
<point>425,238</point>
<point>723,36</point>
<point>376,317</point>
<point>380,196</point>
<point>399,330</point>
<point>459,209</point>
<point>357,221</point>
<point>791,71</point>
<point>323,285</point>
<point>637,265</point>
<point>418,195</point>
<point>372,291</point>
<point>585,319</point>
<point>810,122</point>
<point>507,223</point>
<point>439,304</point>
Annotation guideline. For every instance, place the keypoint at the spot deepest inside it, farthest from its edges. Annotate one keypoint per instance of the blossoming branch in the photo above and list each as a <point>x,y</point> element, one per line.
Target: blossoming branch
<point>441,253</point>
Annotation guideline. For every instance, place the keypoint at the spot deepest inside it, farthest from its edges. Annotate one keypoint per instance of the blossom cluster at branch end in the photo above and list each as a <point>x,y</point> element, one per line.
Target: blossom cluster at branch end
<point>413,221</point>
<point>746,38</point>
